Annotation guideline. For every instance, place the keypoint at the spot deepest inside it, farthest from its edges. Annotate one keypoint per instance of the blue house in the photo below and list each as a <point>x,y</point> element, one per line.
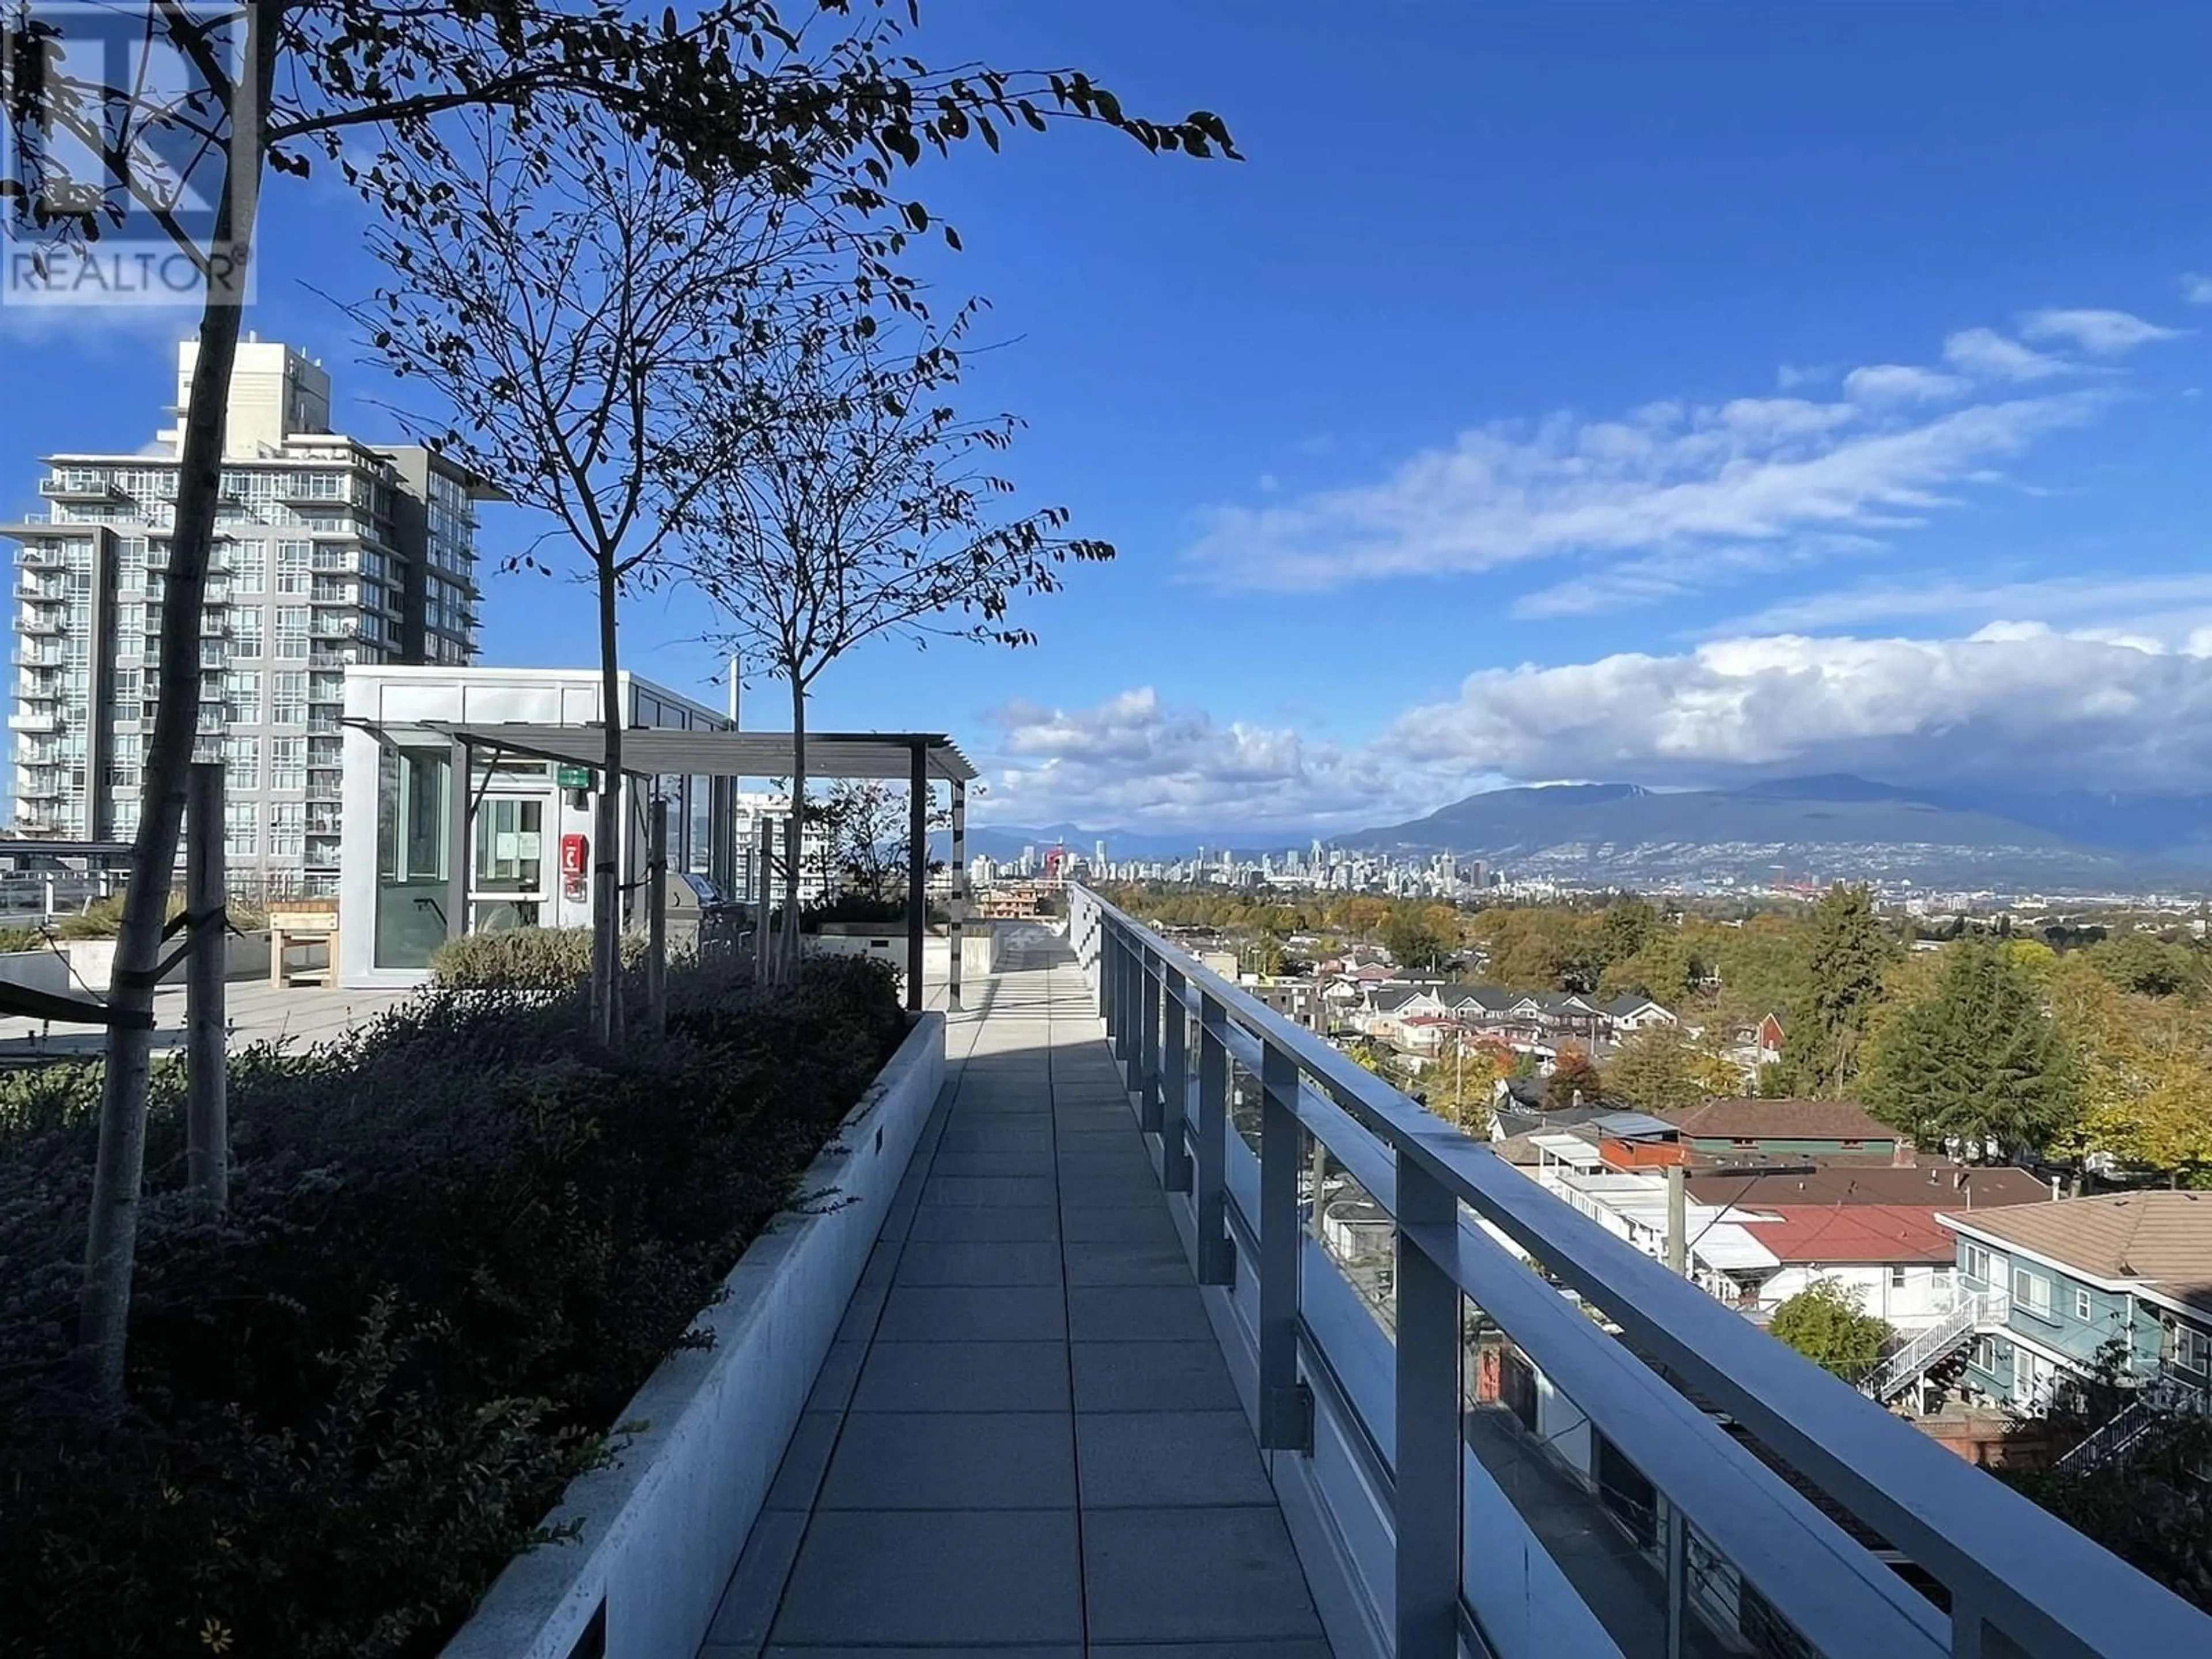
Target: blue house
<point>2048,1286</point>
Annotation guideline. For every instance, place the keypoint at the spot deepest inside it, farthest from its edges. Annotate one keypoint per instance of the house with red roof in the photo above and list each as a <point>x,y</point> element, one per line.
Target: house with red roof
<point>1897,1258</point>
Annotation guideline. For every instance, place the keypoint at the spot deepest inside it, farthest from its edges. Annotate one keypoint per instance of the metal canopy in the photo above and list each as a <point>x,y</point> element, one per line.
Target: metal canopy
<point>651,751</point>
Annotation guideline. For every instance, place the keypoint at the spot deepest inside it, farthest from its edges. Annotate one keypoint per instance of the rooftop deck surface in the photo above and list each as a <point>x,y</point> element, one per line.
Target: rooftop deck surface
<point>1024,1443</point>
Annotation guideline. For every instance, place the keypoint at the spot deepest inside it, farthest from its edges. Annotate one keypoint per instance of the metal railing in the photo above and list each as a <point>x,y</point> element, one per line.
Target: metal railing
<point>1980,1307</point>
<point>1410,1536</point>
<point>2158,1400</point>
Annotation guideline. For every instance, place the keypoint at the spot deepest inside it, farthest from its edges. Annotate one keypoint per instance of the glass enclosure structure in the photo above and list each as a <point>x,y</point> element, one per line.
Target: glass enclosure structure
<point>443,838</point>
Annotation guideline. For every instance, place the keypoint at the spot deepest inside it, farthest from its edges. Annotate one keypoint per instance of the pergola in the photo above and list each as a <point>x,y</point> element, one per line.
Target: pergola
<point>920,758</point>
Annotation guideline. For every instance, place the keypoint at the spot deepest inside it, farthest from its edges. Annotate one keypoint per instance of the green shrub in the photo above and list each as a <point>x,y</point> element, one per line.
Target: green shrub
<point>458,1241</point>
<point>525,959</point>
<point>21,938</point>
<point>103,918</point>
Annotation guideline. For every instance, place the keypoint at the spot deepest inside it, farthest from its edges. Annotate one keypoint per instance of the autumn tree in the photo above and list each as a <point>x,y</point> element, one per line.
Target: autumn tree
<point>1575,1080</point>
<point>1657,1069</point>
<point>1979,1063</point>
<point>2143,1065</point>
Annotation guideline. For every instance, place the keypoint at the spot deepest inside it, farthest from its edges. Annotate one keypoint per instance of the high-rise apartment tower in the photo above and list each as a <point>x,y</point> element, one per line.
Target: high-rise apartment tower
<point>328,552</point>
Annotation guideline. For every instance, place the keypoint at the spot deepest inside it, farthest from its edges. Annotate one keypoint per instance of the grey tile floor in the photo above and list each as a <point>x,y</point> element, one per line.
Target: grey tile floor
<point>1025,1444</point>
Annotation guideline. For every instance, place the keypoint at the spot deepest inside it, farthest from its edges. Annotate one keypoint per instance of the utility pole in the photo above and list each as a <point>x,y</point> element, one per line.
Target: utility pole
<point>1678,1226</point>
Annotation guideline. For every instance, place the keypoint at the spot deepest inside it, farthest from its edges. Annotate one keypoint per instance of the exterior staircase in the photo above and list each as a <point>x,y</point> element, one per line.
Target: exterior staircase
<point>2161,1398</point>
<point>1977,1307</point>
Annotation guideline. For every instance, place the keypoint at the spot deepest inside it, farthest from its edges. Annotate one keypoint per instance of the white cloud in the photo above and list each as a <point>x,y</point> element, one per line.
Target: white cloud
<point>2101,333</point>
<point>2197,290</point>
<point>1790,376</point>
<point>1988,354</point>
<point>1135,757</point>
<point>1672,575</point>
<point>2010,702</point>
<point>1651,494</point>
<point>1757,469</point>
<point>1898,383</point>
<point>2158,605</point>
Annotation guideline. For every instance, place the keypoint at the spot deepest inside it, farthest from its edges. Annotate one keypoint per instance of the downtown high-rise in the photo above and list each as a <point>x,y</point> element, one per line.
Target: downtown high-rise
<point>328,551</point>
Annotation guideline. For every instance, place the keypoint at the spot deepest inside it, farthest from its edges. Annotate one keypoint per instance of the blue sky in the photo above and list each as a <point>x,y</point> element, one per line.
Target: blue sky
<point>1675,394</point>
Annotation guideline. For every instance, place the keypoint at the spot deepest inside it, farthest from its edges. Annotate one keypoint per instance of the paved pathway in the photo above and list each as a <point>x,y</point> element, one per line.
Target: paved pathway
<point>1025,1444</point>
<point>300,1015</point>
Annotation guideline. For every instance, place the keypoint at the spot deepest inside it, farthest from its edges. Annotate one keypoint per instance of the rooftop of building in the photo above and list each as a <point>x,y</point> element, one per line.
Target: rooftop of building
<point>1847,1234</point>
<point>1739,1119</point>
<point>2160,1239</point>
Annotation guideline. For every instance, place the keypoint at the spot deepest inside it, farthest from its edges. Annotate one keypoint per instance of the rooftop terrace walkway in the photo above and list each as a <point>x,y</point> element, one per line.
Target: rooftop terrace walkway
<point>1024,1443</point>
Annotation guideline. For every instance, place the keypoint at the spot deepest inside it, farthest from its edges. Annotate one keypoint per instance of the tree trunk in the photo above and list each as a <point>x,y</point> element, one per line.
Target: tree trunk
<point>606,829</point>
<point>118,1167</point>
<point>795,829</point>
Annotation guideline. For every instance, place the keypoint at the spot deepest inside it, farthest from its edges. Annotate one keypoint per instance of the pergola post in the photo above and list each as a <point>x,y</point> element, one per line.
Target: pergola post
<point>959,887</point>
<point>460,846</point>
<point>917,872</point>
<point>656,918</point>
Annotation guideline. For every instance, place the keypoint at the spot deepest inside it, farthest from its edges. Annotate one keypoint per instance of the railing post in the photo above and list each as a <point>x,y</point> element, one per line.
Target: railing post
<point>1174,1082</point>
<point>1102,965</point>
<point>1124,1004</point>
<point>1148,1042</point>
<point>1425,1508</point>
<point>1285,1420</point>
<point>1216,1254</point>
<point>1678,1580</point>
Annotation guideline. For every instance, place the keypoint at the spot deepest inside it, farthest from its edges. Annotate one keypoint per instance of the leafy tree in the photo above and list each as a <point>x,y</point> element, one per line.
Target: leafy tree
<point>1823,1322</point>
<point>1844,967</point>
<point>1624,929</point>
<point>2142,1066</point>
<point>567,298</point>
<point>2140,962</point>
<point>1979,1062</point>
<point>1458,1086</point>
<point>1657,1069</point>
<point>865,825</point>
<point>1661,970</point>
<point>1415,941</point>
<point>1575,1080</point>
<point>855,502</point>
<point>2151,1504</point>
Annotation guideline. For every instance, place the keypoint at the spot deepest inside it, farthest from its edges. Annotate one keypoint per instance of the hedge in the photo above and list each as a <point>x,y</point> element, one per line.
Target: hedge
<point>525,959</point>
<point>457,1242</point>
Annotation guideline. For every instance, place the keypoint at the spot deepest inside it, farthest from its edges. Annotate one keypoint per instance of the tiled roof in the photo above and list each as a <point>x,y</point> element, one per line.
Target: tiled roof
<point>1779,1120</point>
<point>2163,1238</point>
<point>1840,1233</point>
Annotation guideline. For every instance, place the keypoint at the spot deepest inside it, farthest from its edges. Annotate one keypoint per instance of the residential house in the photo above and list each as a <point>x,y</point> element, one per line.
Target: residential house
<point>1625,1014</point>
<point>2062,1281</point>
<point>1895,1260</point>
<point>1741,1128</point>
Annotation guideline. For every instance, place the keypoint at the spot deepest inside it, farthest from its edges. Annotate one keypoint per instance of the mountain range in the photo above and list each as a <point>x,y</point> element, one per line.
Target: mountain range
<point>1799,829</point>
<point>1819,828</point>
